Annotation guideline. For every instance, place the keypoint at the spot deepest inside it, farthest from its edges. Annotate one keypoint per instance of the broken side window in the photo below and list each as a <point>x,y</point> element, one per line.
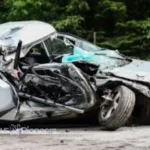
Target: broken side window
<point>57,47</point>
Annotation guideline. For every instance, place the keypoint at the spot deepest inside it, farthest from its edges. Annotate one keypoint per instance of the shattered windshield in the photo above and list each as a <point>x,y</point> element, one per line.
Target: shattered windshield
<point>57,47</point>
<point>89,46</point>
<point>104,59</point>
<point>82,43</point>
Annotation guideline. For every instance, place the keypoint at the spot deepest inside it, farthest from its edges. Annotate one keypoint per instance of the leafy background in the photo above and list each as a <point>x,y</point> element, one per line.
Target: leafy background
<point>119,24</point>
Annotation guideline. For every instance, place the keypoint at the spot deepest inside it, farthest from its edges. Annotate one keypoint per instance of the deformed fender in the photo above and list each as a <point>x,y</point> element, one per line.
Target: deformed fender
<point>132,84</point>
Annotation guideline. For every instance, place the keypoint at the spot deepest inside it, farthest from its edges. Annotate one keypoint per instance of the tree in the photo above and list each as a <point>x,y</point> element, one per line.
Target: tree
<point>120,24</point>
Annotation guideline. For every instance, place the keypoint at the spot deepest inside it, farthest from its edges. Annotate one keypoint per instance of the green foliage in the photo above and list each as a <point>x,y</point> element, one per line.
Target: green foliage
<point>64,15</point>
<point>70,23</point>
<point>114,9</point>
<point>120,24</point>
<point>131,35</point>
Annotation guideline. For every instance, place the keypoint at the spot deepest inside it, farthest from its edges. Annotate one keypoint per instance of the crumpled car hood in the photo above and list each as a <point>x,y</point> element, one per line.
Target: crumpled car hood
<point>136,70</point>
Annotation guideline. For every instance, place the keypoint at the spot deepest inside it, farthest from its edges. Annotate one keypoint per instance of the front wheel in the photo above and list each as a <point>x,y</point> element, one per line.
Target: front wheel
<point>116,110</point>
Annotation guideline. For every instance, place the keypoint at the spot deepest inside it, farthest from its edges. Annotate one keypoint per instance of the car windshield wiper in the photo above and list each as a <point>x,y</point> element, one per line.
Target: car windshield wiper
<point>101,54</point>
<point>110,56</point>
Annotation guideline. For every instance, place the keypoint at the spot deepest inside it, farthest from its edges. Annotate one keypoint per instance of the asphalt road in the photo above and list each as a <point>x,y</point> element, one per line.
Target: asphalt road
<point>75,138</point>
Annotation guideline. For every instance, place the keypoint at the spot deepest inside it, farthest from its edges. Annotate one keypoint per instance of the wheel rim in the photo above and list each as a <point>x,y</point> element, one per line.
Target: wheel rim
<point>108,109</point>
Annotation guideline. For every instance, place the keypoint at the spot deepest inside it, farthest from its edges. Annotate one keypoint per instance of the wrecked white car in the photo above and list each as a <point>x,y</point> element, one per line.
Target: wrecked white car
<point>43,77</point>
<point>32,86</point>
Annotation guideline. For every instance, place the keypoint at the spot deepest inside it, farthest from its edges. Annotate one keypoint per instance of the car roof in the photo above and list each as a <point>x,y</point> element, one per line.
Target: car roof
<point>26,31</point>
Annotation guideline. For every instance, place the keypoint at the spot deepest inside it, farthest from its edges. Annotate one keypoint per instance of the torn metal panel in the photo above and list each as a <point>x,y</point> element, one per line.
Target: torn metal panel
<point>132,84</point>
<point>137,70</point>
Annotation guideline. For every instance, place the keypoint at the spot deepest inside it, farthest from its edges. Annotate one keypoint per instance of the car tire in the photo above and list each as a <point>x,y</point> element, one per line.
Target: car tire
<point>122,113</point>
